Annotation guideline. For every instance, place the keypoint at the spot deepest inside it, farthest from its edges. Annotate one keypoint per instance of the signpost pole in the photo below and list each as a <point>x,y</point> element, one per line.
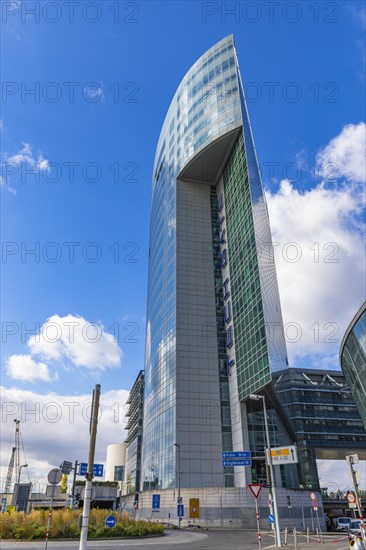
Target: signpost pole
<point>50,515</point>
<point>317,517</point>
<point>273,484</point>
<point>270,504</point>
<point>353,459</point>
<point>258,528</point>
<point>54,477</point>
<point>73,484</point>
<point>89,475</point>
<point>178,477</point>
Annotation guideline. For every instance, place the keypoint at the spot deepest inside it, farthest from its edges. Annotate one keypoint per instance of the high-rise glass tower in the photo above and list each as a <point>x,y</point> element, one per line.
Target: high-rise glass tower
<point>214,325</point>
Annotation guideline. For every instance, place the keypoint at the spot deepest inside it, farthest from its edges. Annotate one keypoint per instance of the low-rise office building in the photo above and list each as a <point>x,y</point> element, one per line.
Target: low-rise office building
<point>321,407</point>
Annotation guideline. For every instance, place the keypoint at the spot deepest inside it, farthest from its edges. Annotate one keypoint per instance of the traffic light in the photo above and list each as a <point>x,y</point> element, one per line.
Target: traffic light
<point>78,499</point>
<point>136,503</point>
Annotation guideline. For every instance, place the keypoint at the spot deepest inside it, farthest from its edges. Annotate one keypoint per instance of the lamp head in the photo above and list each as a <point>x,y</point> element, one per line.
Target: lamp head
<point>255,397</point>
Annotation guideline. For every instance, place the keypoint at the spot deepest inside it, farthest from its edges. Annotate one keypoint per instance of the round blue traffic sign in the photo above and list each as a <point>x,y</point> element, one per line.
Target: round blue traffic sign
<point>110,521</point>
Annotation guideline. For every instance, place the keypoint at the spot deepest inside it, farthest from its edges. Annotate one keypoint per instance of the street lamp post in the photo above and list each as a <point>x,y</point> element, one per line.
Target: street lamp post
<point>177,475</point>
<point>256,397</point>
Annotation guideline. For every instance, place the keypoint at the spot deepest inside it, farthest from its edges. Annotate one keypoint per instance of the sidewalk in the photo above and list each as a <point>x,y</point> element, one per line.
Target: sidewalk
<point>330,541</point>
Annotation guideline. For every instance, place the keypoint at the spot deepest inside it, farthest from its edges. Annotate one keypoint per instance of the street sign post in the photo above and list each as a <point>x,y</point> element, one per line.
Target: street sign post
<point>236,458</point>
<point>97,469</point>
<point>256,489</point>
<point>110,521</point>
<point>194,508</point>
<point>353,459</point>
<point>66,467</point>
<point>351,497</point>
<point>237,454</point>
<point>231,463</point>
<point>284,455</point>
<point>54,477</point>
<point>156,502</point>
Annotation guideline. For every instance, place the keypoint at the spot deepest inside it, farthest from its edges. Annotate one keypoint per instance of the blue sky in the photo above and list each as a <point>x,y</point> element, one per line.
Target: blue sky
<point>135,65</point>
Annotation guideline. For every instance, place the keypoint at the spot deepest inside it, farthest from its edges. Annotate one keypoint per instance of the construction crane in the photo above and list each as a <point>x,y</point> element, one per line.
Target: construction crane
<point>15,458</point>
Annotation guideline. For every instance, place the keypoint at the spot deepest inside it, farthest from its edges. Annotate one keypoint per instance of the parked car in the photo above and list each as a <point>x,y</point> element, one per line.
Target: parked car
<point>342,524</point>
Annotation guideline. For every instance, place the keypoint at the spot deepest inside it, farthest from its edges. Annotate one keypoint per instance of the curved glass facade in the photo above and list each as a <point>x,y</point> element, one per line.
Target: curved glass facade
<point>205,158</point>
<point>353,359</point>
<point>204,107</point>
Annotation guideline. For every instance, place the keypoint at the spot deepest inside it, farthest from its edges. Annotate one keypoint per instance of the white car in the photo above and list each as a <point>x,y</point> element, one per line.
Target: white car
<point>342,524</point>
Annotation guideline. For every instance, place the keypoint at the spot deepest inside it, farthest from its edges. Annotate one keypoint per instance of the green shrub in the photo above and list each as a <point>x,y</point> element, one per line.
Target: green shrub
<point>64,524</point>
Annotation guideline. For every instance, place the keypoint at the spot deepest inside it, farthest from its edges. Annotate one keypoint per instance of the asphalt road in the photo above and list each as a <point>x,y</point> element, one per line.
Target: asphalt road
<point>239,539</point>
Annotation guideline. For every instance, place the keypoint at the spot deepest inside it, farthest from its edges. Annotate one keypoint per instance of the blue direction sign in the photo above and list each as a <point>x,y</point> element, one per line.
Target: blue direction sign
<point>230,463</point>
<point>97,469</point>
<point>240,454</point>
<point>110,521</point>
<point>180,510</point>
<point>155,502</point>
<point>271,518</point>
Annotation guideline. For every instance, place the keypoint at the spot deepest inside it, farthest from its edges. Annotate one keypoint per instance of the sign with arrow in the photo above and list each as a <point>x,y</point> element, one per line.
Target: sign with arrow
<point>284,455</point>
<point>256,489</point>
<point>110,521</point>
<point>97,469</point>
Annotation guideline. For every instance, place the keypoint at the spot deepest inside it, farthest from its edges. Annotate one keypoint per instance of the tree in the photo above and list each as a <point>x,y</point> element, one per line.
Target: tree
<point>63,485</point>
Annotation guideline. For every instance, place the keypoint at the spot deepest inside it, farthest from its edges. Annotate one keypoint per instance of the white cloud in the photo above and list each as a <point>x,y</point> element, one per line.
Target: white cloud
<point>335,475</point>
<point>14,165</point>
<point>69,341</point>
<point>24,368</point>
<point>74,339</point>
<point>322,273</point>
<point>56,428</point>
<point>344,156</point>
<point>27,156</point>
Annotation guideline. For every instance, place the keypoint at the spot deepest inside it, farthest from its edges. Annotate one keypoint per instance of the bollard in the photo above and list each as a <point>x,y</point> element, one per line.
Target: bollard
<point>286,532</point>
<point>308,535</point>
<point>295,538</point>
<point>317,535</point>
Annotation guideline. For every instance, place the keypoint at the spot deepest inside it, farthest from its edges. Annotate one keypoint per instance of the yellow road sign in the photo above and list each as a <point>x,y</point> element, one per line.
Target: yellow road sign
<point>284,455</point>
<point>194,508</point>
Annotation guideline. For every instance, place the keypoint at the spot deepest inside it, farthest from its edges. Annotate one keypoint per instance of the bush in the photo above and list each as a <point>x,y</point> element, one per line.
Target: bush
<point>64,524</point>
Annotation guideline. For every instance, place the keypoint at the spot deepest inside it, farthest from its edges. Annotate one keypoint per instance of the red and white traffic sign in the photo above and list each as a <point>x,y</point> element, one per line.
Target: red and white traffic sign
<point>313,496</point>
<point>255,488</point>
<point>351,497</point>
